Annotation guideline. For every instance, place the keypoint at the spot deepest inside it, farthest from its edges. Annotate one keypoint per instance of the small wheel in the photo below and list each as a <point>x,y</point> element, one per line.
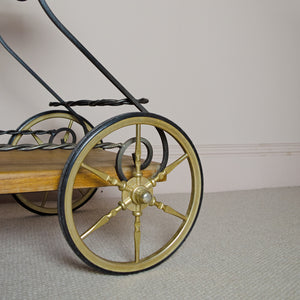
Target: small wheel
<point>45,203</point>
<point>145,225</point>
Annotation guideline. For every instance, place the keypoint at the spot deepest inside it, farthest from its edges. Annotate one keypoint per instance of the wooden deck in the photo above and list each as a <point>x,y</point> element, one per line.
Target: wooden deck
<point>40,170</point>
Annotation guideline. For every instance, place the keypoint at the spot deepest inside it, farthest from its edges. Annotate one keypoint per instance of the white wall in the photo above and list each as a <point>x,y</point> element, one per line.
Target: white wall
<point>226,71</point>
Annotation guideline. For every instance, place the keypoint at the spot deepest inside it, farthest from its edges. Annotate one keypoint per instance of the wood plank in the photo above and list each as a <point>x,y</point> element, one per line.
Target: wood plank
<point>40,170</point>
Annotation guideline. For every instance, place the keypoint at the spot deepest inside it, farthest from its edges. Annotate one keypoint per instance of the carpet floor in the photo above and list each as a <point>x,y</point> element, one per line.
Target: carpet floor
<point>245,245</point>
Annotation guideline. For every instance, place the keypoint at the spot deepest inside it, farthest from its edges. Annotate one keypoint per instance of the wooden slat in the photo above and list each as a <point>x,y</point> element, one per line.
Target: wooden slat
<point>40,170</point>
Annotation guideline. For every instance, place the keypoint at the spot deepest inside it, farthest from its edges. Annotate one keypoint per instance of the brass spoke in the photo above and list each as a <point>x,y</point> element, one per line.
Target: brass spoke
<point>44,201</point>
<point>137,234</point>
<point>162,175</point>
<point>67,134</point>
<point>169,210</point>
<point>81,192</point>
<point>37,139</point>
<point>101,222</point>
<point>122,206</point>
<point>104,177</point>
<point>138,152</point>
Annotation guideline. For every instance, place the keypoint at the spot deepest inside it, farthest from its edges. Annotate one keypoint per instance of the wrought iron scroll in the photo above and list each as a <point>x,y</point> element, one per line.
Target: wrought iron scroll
<point>50,145</point>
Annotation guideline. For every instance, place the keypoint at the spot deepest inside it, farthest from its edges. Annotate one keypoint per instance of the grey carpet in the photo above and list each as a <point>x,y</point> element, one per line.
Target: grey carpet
<point>245,245</point>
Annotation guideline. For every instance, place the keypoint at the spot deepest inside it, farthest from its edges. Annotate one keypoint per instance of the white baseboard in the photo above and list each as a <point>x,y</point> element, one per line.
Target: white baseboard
<point>264,149</point>
<point>250,166</point>
<point>247,166</point>
<point>229,167</point>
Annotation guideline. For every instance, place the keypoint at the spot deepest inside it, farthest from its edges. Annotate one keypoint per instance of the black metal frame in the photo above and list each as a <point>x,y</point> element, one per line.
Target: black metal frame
<point>130,99</point>
<point>90,56</point>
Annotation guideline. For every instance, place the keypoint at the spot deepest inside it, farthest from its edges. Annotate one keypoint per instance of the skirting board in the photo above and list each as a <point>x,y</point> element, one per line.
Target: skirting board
<point>250,166</point>
<point>229,167</point>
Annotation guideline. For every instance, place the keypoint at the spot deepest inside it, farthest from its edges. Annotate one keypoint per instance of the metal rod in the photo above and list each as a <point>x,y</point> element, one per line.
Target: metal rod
<point>89,56</point>
<point>41,81</point>
<point>33,73</point>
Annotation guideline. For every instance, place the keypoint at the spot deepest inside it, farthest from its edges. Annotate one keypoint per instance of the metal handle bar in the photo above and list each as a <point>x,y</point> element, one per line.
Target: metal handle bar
<point>41,81</point>
<point>30,70</point>
<point>89,56</point>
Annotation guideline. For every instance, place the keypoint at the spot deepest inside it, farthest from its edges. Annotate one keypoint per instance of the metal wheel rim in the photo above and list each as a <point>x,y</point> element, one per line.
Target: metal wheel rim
<point>66,214</point>
<point>21,198</point>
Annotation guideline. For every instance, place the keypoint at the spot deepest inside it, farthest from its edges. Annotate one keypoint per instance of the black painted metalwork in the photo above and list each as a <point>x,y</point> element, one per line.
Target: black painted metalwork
<point>51,132</point>
<point>67,131</point>
<point>121,153</point>
<point>51,146</point>
<point>90,56</point>
<point>41,81</point>
<point>102,102</point>
<point>129,98</point>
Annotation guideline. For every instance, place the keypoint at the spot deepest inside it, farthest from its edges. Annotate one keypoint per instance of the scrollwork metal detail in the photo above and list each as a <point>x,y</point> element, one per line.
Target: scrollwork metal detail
<point>50,145</point>
<point>122,150</point>
<point>67,131</point>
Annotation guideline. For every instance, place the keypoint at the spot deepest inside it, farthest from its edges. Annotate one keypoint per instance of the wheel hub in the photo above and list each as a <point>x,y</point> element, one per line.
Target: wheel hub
<point>141,195</point>
<point>140,191</point>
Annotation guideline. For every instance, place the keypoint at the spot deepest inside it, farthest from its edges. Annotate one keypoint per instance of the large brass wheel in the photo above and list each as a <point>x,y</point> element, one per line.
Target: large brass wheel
<point>148,217</point>
<point>45,203</point>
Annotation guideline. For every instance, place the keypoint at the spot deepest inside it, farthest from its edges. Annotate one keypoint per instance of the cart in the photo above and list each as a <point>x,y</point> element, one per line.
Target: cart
<point>57,169</point>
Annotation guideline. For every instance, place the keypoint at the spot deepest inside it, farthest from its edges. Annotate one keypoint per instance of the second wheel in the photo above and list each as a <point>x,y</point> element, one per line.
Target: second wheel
<point>45,203</point>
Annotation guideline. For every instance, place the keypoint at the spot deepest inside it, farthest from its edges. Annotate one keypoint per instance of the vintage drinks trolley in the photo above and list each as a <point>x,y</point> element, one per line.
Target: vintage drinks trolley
<point>71,162</point>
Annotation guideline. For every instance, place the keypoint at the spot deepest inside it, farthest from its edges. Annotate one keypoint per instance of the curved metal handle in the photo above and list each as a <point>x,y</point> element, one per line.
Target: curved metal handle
<point>89,56</point>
